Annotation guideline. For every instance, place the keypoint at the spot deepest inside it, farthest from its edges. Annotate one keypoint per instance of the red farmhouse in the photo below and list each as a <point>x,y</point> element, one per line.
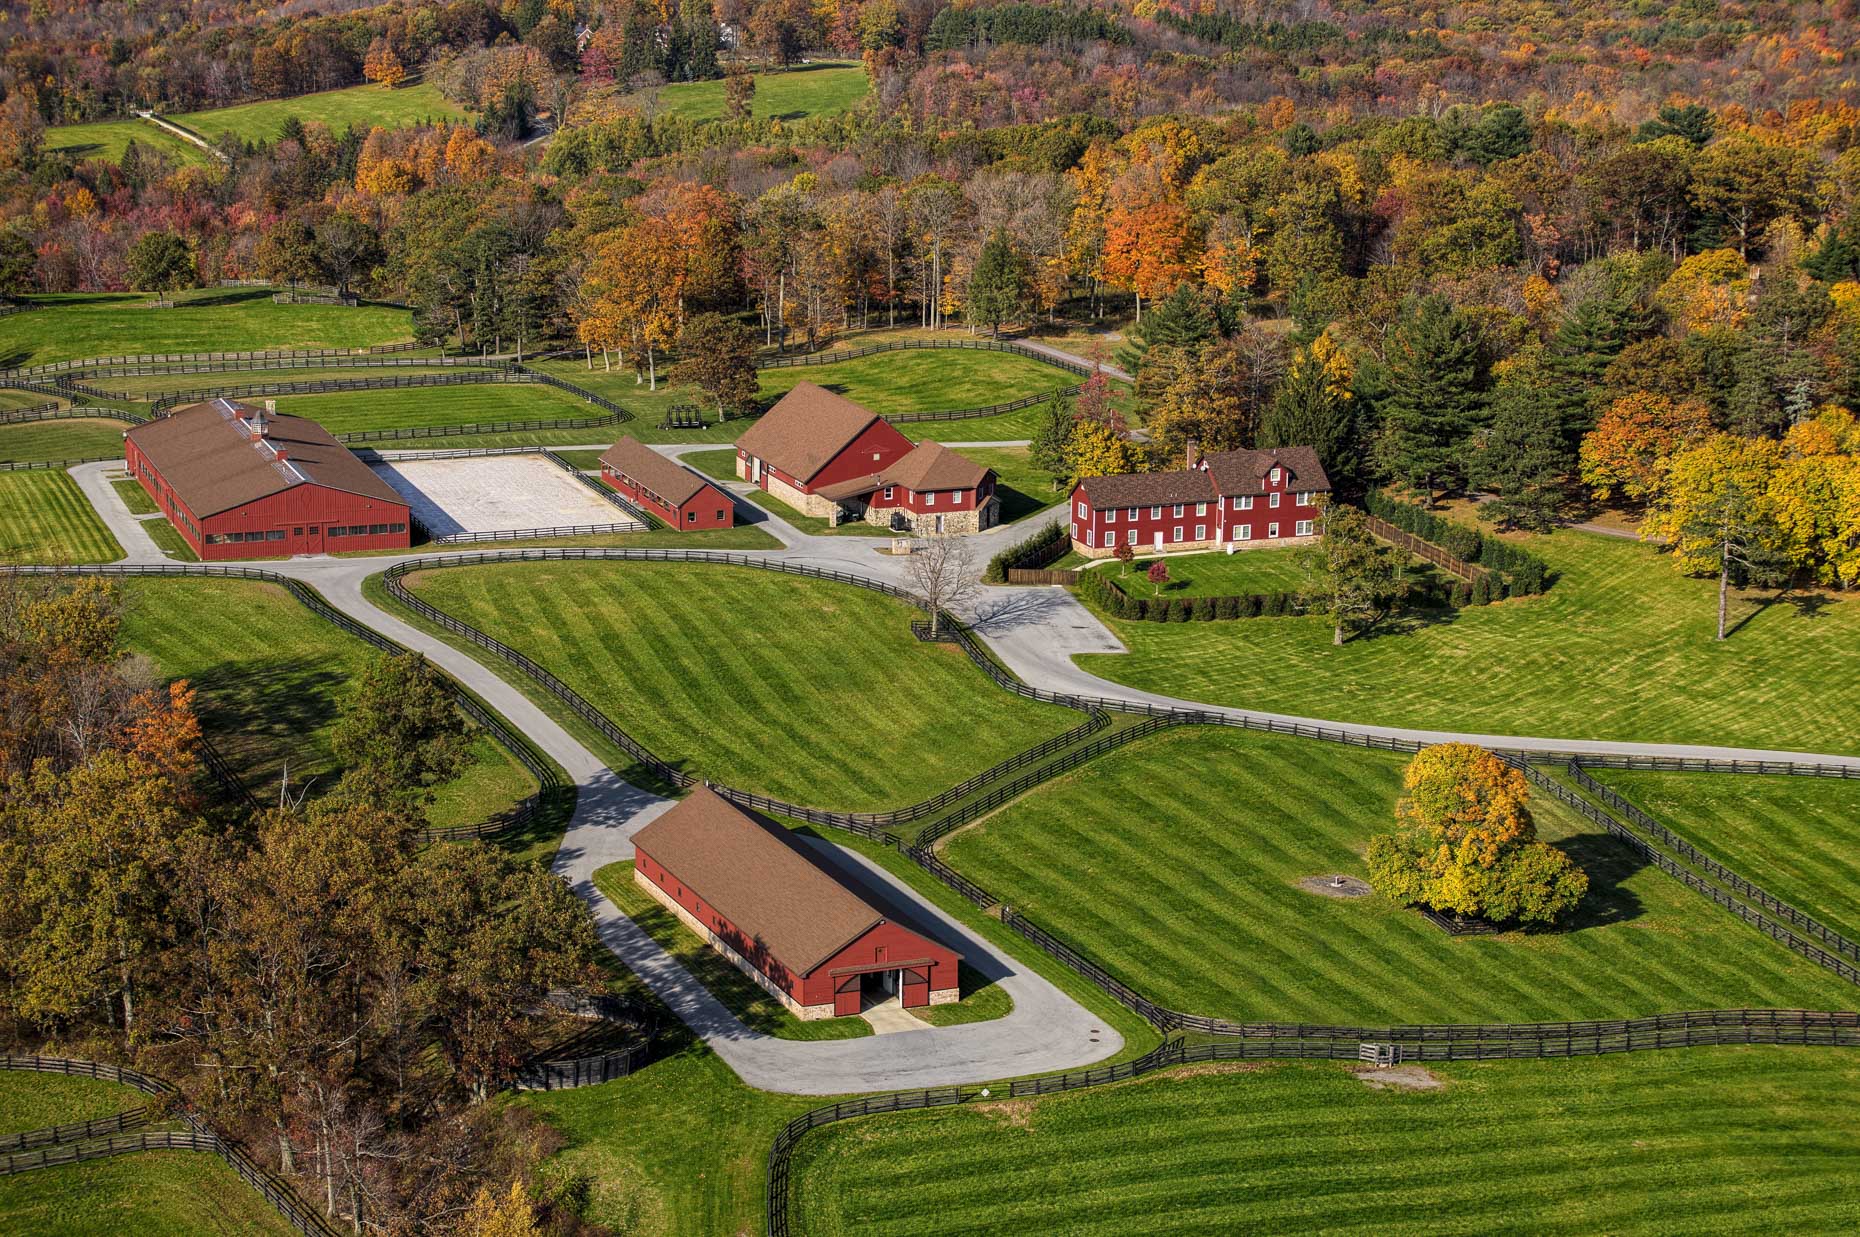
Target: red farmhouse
<point>244,482</point>
<point>754,892</point>
<point>680,497</point>
<point>1230,498</point>
<point>826,456</point>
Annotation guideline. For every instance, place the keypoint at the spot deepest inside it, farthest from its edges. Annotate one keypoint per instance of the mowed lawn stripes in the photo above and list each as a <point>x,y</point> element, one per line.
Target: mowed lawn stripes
<point>80,438</point>
<point>45,518</point>
<point>1798,837</point>
<point>272,678</point>
<point>1620,648</point>
<point>344,412</point>
<point>1711,1140</point>
<point>805,690</point>
<point>1175,863</point>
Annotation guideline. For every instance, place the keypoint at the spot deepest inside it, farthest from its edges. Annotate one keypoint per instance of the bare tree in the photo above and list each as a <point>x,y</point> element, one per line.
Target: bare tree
<point>942,572</point>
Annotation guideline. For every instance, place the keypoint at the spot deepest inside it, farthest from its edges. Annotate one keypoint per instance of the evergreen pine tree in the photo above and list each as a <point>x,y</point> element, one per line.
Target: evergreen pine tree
<point>1181,319</point>
<point>1314,407</point>
<point>1523,459</point>
<point>1592,335</point>
<point>1047,451</point>
<point>998,285</point>
<point>1436,397</point>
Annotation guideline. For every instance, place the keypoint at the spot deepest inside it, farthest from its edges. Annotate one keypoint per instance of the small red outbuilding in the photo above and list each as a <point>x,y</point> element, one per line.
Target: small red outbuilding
<point>244,482</point>
<point>672,492</point>
<point>762,900</point>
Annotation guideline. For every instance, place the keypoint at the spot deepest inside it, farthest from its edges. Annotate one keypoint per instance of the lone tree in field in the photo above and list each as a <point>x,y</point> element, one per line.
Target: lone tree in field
<point>739,93</point>
<point>1158,574</point>
<point>1468,845</point>
<point>162,262</point>
<point>1715,513</point>
<point>1356,577</point>
<point>718,358</point>
<point>401,732</point>
<point>941,571</point>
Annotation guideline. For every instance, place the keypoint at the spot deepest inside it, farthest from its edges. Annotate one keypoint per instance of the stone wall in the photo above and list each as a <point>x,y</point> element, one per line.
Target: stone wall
<point>957,521</point>
<point>807,1013</point>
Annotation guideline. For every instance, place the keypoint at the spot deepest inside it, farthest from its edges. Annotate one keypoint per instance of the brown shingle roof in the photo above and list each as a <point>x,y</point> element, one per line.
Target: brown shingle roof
<point>1148,489</point>
<point>933,466</point>
<point>208,457</point>
<point>1244,472</point>
<point>667,478</point>
<point>805,429</point>
<point>759,877</point>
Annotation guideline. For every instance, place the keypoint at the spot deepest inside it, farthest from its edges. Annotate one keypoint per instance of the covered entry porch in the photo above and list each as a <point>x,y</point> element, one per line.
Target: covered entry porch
<point>856,988</point>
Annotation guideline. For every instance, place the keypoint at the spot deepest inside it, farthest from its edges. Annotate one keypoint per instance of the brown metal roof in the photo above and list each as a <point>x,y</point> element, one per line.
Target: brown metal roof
<point>759,877</point>
<point>805,429</point>
<point>1148,489</point>
<point>645,467</point>
<point>1244,472</point>
<point>208,456</point>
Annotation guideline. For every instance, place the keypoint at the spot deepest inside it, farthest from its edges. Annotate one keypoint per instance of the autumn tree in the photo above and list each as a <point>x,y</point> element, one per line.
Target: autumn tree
<point>1466,843</point>
<point>1147,236</point>
<point>1715,514</point>
<point>739,93</point>
<point>1205,395</point>
<point>383,65</point>
<point>717,355</point>
<point>1098,450</point>
<point>1350,574</point>
<point>1631,446</point>
<point>1315,407</point>
<point>162,261</point>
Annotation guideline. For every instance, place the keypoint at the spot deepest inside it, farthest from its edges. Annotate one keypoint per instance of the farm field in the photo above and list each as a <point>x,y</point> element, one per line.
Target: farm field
<point>271,677</point>
<point>824,89</point>
<point>32,1101</point>
<point>148,386</point>
<point>1620,647</point>
<point>1213,575</point>
<point>345,412</point>
<point>1175,863</point>
<point>143,1194</point>
<point>757,1009</point>
<point>367,106</point>
<point>81,438</point>
<point>45,518</point>
<point>1798,837</point>
<point>720,669</point>
<point>898,382</point>
<point>74,326</point>
<point>1718,1140</point>
<point>108,139</point>
<point>11,398</point>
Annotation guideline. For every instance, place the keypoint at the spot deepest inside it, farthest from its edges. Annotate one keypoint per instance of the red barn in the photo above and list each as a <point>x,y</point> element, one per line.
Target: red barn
<point>754,891</point>
<point>826,456</point>
<point>682,498</point>
<point>1230,498</point>
<point>244,482</point>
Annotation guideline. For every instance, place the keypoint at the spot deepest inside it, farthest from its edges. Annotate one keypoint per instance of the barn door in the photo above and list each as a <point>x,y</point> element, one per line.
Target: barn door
<point>916,987</point>
<point>846,996</point>
<point>313,539</point>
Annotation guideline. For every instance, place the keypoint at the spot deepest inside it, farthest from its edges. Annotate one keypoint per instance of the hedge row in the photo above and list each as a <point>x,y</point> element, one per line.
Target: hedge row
<point>1525,573</point>
<point>1101,588</point>
<point>1047,544</point>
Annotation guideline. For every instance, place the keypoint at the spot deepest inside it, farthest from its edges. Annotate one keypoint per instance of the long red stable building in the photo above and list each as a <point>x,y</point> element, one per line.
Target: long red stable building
<point>672,492</point>
<point>753,890</point>
<point>244,482</point>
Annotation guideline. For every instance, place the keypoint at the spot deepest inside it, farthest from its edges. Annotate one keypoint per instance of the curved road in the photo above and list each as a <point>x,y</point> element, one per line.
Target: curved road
<point>1035,631</point>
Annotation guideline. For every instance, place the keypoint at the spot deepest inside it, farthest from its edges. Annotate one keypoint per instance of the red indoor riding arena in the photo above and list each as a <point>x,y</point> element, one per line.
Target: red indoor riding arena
<point>763,901</point>
<point>244,482</point>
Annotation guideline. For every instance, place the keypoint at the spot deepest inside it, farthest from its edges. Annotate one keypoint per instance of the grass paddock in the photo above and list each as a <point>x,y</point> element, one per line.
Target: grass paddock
<point>78,438</point>
<point>824,89</point>
<point>1175,863</point>
<point>142,1194</point>
<point>45,518</point>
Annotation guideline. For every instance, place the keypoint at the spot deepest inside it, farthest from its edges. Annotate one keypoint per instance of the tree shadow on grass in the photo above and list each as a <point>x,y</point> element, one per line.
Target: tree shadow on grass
<point>1609,862</point>
<point>264,714</point>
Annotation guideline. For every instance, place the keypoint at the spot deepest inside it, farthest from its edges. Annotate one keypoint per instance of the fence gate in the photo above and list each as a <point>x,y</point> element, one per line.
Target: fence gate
<point>1382,1056</point>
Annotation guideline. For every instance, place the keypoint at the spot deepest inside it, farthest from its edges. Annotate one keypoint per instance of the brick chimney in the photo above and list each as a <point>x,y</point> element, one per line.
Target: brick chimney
<point>1194,455</point>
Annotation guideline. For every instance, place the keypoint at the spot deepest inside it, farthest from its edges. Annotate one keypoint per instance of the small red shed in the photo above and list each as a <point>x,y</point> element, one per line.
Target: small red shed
<point>680,497</point>
<point>244,482</point>
<point>762,900</point>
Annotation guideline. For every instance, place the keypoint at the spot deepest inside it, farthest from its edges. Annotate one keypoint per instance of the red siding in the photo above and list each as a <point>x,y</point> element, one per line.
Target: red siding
<point>301,515</point>
<point>710,507</point>
<point>877,447</point>
<point>1222,519</point>
<point>886,942</point>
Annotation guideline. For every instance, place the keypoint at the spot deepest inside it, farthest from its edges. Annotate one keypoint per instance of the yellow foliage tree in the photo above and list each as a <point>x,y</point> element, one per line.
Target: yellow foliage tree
<point>1097,450</point>
<point>1710,289</point>
<point>382,65</point>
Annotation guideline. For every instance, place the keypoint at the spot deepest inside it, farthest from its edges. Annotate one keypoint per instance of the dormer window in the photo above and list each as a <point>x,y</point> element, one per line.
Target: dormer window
<point>1274,479</point>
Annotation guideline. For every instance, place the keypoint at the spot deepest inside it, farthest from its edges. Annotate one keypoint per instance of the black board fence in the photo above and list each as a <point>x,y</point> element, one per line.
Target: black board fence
<point>1081,368</point>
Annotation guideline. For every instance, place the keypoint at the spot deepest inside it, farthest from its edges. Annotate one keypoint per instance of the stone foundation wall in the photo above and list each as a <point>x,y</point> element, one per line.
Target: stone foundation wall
<point>807,1013</point>
<point>946,996</point>
<point>957,521</point>
<point>806,504</point>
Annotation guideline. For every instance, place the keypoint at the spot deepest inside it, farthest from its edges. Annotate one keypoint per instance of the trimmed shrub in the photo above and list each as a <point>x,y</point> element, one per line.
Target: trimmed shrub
<point>1044,545</point>
<point>1156,609</point>
<point>1226,607</point>
<point>1460,594</point>
<point>1482,590</point>
<point>1247,605</point>
<point>1179,610</point>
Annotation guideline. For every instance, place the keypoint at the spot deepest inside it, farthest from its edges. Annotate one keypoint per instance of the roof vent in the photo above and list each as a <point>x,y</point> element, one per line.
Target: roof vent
<point>261,427</point>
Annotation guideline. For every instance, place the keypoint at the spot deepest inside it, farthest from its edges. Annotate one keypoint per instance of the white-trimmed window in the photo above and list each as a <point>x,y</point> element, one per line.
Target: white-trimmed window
<point>1274,478</point>
<point>1088,538</point>
<point>1307,498</point>
<point>1272,530</point>
<point>1201,508</point>
<point>1110,517</point>
<point>1244,503</point>
<point>1132,538</point>
<point>1303,528</point>
<point>1178,511</point>
<point>1178,532</point>
<point>929,498</point>
<point>1084,511</point>
<point>1201,532</point>
<point>1243,532</point>
<point>890,488</point>
<point>1274,501</point>
<point>1155,513</point>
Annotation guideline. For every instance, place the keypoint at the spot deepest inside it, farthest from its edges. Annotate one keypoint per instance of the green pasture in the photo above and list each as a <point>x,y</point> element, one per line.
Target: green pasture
<point>824,89</point>
<point>1176,862</point>
<point>81,438</point>
<point>366,107</point>
<point>1719,1141</point>
<point>108,139</point>
<point>148,386</point>
<point>1620,647</point>
<point>346,412</point>
<point>141,1194</point>
<point>45,518</point>
<point>32,1101</point>
<point>719,669</point>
